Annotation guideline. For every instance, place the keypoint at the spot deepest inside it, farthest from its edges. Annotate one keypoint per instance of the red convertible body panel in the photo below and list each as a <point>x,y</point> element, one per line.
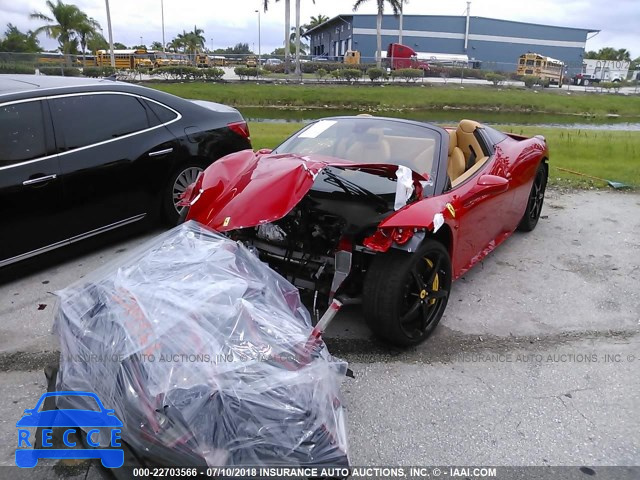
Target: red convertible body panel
<point>247,189</point>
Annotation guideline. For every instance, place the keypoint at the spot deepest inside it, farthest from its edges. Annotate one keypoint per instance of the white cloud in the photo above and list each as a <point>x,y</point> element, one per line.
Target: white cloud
<point>227,22</point>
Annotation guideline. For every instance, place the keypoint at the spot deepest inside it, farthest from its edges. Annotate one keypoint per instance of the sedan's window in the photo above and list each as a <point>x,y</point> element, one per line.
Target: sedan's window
<point>88,119</point>
<point>159,114</point>
<point>21,133</point>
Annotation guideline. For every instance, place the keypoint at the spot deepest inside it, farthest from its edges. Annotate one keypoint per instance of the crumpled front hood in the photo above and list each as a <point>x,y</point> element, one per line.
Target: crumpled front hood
<point>245,189</point>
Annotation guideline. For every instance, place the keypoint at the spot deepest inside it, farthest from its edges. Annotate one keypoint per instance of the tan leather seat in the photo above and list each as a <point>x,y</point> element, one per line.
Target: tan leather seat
<point>371,147</point>
<point>468,143</point>
<point>456,163</point>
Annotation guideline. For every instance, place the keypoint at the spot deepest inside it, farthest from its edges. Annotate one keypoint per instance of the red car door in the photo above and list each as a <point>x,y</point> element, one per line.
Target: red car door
<point>481,204</point>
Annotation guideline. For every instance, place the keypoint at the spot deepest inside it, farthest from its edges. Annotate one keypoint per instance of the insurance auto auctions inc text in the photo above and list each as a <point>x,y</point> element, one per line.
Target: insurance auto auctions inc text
<point>546,358</point>
<point>361,472</point>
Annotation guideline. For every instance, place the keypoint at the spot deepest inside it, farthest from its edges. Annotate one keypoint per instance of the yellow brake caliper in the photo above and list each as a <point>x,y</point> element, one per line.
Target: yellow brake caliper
<point>435,286</point>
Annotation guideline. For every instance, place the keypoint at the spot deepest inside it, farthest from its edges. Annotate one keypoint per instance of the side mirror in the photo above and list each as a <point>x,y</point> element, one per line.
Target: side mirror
<point>264,151</point>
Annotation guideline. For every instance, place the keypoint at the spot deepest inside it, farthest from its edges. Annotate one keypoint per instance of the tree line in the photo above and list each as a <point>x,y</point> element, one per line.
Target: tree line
<point>77,33</point>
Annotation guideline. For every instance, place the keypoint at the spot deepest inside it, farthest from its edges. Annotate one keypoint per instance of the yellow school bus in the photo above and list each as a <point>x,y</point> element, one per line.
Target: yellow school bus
<point>547,69</point>
<point>125,59</point>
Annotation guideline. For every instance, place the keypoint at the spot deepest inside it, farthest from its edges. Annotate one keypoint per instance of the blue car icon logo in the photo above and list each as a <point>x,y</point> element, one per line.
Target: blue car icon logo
<point>93,420</point>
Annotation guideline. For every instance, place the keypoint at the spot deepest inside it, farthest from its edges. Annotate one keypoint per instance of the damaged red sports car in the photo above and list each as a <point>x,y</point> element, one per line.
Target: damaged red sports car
<point>383,211</point>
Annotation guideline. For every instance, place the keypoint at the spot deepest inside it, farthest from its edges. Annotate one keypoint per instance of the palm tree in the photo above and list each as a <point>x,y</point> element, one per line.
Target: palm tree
<point>85,31</point>
<point>395,6</point>
<point>315,21</point>
<point>287,28</point>
<point>193,41</point>
<point>64,23</point>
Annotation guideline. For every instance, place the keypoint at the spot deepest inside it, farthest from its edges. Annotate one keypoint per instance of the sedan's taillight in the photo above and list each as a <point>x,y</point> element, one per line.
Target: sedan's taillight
<point>241,128</point>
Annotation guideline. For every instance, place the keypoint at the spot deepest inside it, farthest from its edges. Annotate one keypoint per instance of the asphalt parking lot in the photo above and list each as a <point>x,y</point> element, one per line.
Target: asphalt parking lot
<point>535,362</point>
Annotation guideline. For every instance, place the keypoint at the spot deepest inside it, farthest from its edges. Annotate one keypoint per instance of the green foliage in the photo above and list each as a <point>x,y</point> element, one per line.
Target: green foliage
<point>609,53</point>
<point>68,24</point>
<point>495,78</point>
<point>213,73</point>
<point>178,72</point>
<point>376,74</point>
<point>454,72</point>
<point>237,49</point>
<point>408,74</point>
<point>336,74</point>
<point>98,72</point>
<point>16,41</point>
<point>321,73</point>
<point>17,68</point>
<point>530,80</point>
<point>352,74</point>
<point>246,72</point>
<point>64,71</point>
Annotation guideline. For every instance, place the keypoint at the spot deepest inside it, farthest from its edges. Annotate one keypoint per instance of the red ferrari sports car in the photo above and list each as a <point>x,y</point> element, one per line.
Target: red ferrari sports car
<point>383,211</point>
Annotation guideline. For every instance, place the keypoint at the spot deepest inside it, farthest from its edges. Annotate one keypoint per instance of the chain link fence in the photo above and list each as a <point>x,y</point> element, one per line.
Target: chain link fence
<point>143,65</point>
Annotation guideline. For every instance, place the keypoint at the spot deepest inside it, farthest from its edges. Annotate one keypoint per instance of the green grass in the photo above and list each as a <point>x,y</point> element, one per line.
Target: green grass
<point>393,97</point>
<point>607,154</point>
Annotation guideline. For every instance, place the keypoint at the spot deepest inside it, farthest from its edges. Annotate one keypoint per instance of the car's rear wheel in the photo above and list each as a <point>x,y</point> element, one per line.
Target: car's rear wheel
<point>535,201</point>
<point>177,184</point>
<point>405,294</point>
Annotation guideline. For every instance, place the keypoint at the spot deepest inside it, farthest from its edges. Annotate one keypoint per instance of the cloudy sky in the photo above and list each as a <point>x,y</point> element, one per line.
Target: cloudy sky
<point>227,22</point>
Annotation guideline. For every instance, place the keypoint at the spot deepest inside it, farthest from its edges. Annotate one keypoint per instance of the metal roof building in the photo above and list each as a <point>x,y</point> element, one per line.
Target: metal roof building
<point>495,43</point>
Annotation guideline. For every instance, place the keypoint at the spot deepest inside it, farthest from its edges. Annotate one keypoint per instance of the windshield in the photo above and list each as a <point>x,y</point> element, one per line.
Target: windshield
<point>370,140</point>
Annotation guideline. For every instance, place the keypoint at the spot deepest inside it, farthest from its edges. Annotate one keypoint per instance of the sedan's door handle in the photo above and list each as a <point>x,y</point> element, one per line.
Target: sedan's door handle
<point>161,152</point>
<point>33,181</point>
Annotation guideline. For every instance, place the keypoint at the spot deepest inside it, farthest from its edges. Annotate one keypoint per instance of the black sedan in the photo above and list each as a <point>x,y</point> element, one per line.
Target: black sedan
<point>79,157</point>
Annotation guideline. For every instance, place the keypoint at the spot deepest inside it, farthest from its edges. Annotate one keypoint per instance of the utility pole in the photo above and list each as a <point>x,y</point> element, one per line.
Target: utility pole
<point>401,21</point>
<point>113,56</point>
<point>164,45</point>
<point>259,39</point>
<point>298,70</point>
<point>466,30</point>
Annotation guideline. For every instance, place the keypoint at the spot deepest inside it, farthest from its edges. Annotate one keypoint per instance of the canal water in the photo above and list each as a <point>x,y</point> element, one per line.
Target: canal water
<point>451,117</point>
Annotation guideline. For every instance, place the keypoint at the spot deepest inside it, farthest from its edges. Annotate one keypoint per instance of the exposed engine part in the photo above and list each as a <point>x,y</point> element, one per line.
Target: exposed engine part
<point>271,232</point>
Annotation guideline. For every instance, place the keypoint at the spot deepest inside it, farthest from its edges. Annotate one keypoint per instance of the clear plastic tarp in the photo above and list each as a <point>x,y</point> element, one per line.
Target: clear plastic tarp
<point>203,352</point>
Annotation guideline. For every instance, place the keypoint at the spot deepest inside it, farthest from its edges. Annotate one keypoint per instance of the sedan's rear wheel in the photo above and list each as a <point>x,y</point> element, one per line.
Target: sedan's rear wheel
<point>536,199</point>
<point>178,183</point>
<point>405,294</point>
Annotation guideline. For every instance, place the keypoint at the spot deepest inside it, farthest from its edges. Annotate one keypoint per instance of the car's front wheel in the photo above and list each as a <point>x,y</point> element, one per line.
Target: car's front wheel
<point>405,294</point>
<point>176,186</point>
<point>535,201</point>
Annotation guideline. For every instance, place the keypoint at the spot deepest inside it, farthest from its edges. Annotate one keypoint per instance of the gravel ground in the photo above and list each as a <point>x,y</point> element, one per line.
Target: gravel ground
<point>534,363</point>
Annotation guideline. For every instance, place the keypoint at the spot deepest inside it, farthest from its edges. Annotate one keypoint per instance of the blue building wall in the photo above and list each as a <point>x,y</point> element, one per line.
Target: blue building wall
<point>495,43</point>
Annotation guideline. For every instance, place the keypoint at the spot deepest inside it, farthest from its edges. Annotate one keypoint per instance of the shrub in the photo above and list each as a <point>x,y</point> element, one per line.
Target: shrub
<point>409,74</point>
<point>495,78</point>
<point>212,73</point>
<point>454,72</point>
<point>97,72</point>
<point>337,74</point>
<point>17,68</point>
<point>530,80</point>
<point>64,71</point>
<point>376,74</point>
<point>321,73</point>
<point>352,74</point>
<point>245,72</point>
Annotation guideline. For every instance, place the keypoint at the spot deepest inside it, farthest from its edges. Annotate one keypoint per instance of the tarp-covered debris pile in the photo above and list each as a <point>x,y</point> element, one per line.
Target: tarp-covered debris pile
<point>200,349</point>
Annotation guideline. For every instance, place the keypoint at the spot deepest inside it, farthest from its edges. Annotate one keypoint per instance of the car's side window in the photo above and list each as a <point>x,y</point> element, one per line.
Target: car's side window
<point>159,114</point>
<point>94,118</point>
<point>22,135</point>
